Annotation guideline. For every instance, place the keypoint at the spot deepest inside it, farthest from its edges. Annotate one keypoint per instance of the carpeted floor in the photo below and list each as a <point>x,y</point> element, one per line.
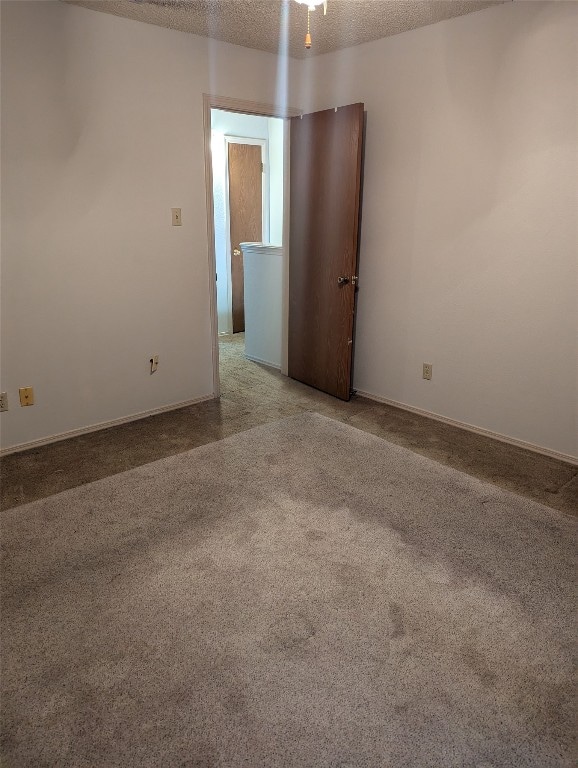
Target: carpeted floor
<point>302,594</point>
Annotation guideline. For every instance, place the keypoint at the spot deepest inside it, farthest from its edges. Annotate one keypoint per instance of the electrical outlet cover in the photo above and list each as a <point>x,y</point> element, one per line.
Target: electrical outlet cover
<point>26,396</point>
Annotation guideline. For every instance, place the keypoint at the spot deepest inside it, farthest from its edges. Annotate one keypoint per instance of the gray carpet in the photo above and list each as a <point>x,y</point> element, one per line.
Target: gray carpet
<point>300,594</point>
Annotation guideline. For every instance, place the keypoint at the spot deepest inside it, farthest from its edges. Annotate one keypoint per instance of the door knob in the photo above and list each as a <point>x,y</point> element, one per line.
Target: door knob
<point>342,280</point>
<point>236,252</point>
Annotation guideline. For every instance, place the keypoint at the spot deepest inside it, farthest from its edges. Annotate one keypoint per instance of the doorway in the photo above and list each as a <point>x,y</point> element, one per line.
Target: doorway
<point>231,105</point>
<point>326,146</point>
<point>247,173</point>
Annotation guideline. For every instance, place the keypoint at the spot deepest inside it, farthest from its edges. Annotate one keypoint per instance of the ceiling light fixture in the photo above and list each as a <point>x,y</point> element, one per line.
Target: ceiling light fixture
<point>311,5</point>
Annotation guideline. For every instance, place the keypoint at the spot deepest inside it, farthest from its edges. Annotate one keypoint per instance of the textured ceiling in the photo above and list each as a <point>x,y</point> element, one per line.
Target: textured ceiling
<point>257,23</point>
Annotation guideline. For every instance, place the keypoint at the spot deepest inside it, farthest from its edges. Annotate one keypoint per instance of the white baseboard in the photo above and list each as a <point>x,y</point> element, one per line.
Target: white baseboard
<point>263,362</point>
<point>103,425</point>
<point>471,428</point>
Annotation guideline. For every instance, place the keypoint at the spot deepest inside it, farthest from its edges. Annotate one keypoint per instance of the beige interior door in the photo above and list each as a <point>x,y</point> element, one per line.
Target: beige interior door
<point>245,216</point>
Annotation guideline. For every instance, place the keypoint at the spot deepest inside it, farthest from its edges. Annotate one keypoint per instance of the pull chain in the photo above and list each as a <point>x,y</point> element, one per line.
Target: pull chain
<point>308,35</point>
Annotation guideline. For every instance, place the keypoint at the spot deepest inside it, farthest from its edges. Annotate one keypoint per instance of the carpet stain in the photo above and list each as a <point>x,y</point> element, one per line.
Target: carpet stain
<point>478,664</point>
<point>250,528</point>
<point>290,633</point>
<point>235,702</point>
<point>396,615</point>
<point>315,535</point>
<point>347,573</point>
<point>202,563</point>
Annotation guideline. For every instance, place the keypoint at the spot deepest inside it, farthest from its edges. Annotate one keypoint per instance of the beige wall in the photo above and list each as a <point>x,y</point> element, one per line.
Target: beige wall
<point>469,242</point>
<point>102,135</point>
<point>469,251</point>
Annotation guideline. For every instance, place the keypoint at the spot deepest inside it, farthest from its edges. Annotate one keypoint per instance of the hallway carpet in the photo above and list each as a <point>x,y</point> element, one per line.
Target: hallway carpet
<point>300,594</point>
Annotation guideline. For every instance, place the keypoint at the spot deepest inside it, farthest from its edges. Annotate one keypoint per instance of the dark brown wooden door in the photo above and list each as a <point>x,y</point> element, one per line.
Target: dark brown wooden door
<point>326,157</point>
<point>246,217</point>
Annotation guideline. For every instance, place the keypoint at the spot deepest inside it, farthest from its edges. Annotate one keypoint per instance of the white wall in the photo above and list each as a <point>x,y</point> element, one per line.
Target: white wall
<point>469,239</point>
<point>101,135</point>
<point>469,242</point>
<point>276,130</point>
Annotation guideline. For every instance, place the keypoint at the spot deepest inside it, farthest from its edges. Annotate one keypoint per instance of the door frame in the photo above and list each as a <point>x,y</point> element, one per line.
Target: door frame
<point>212,101</point>
<point>264,144</point>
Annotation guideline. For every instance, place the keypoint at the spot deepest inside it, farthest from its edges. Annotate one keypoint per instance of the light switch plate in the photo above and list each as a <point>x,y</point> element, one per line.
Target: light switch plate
<point>3,401</point>
<point>176,212</point>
